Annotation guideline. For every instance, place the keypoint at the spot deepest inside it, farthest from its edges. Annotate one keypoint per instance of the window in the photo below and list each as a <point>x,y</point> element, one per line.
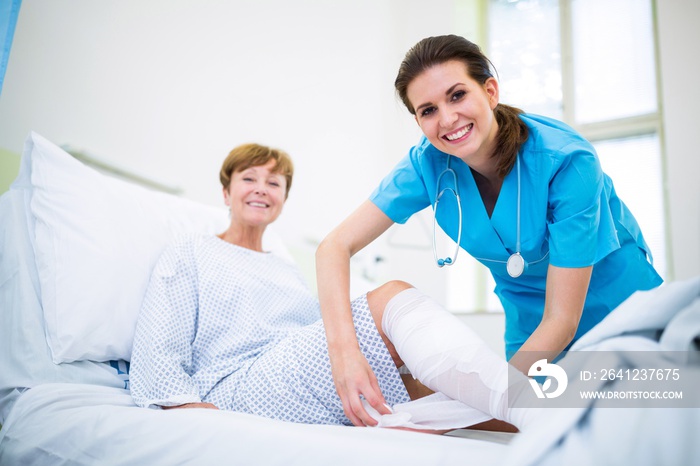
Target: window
<point>590,63</point>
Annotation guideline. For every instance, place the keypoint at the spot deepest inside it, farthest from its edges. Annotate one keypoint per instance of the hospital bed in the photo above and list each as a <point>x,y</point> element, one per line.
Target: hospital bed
<point>77,248</point>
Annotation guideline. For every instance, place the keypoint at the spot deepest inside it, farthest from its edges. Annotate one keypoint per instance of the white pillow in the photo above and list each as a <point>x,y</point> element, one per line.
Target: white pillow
<point>96,239</point>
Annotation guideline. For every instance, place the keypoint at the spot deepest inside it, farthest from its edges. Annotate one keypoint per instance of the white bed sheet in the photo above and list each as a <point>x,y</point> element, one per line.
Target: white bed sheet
<point>660,320</point>
<point>82,424</point>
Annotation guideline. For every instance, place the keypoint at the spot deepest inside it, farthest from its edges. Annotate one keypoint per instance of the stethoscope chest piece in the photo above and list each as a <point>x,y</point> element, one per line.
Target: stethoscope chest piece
<point>515,265</point>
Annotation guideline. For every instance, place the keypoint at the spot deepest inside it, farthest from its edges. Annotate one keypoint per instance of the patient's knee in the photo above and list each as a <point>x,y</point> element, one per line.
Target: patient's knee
<point>392,288</point>
<point>379,297</point>
<point>377,300</point>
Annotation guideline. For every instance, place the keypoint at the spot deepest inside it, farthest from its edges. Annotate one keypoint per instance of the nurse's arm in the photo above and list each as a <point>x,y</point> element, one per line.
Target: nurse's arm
<point>352,374</point>
<point>564,299</point>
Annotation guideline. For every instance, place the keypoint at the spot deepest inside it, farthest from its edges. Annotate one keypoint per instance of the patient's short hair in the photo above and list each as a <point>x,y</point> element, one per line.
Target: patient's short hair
<point>254,155</point>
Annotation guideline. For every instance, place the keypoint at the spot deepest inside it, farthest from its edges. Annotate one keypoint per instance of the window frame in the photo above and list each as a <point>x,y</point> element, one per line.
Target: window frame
<point>619,128</point>
<point>641,125</point>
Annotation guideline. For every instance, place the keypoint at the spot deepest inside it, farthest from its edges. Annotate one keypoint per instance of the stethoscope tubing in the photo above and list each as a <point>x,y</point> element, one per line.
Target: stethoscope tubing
<point>515,265</point>
<point>447,260</point>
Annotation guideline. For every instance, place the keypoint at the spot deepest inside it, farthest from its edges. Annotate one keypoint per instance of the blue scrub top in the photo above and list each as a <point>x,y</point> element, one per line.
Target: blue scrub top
<point>570,217</point>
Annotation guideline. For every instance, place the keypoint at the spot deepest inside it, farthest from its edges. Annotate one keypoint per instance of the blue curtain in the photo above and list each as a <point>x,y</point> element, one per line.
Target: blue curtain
<point>9,9</point>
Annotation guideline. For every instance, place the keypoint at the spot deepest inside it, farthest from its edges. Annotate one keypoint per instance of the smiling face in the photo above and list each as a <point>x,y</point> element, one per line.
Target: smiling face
<point>455,112</point>
<point>256,195</point>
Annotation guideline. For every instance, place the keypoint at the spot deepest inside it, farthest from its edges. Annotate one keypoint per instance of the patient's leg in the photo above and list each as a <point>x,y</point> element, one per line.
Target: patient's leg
<point>447,356</point>
<point>377,300</point>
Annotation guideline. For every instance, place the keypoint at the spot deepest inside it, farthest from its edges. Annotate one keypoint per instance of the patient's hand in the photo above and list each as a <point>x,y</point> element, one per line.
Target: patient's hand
<point>192,405</point>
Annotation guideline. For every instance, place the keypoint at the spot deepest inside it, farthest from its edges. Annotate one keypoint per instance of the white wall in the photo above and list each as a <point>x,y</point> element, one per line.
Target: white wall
<point>168,87</point>
<point>679,37</point>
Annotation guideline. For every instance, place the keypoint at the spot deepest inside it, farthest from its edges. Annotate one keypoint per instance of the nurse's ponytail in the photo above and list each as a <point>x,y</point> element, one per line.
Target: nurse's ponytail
<point>431,51</point>
<point>512,134</point>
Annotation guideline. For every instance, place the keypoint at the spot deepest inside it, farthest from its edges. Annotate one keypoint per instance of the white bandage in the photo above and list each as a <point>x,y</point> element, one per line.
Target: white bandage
<point>447,356</point>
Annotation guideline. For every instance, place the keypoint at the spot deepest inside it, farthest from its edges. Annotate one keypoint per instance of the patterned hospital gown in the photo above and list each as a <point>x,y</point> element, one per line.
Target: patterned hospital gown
<point>240,329</point>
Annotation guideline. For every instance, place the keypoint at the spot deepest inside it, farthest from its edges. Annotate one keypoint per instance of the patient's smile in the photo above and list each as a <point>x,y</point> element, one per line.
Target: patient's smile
<point>258,204</point>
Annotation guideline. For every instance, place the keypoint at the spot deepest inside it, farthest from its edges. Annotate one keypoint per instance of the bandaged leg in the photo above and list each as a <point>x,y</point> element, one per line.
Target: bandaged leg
<point>447,356</point>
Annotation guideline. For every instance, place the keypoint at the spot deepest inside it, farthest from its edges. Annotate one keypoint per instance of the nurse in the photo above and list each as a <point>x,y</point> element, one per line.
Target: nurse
<point>530,190</point>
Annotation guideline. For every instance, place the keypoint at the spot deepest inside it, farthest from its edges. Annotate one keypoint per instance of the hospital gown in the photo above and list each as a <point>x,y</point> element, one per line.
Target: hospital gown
<point>239,329</point>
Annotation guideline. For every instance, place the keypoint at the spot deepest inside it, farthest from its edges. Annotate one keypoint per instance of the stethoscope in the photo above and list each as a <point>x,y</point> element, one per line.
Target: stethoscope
<point>515,265</point>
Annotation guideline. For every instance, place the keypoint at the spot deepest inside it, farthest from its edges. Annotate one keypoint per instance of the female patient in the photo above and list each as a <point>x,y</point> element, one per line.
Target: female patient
<point>225,325</point>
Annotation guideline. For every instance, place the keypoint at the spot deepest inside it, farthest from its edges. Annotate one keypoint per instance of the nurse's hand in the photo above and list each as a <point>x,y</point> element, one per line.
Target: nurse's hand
<point>563,306</point>
<point>353,377</point>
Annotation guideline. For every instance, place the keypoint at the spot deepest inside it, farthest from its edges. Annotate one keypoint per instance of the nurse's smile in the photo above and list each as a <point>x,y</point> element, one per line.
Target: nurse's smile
<point>459,135</point>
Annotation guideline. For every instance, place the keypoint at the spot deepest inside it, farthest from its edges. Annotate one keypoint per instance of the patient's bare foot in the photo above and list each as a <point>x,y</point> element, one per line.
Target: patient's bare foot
<point>494,425</point>
<point>424,431</point>
<point>191,405</point>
